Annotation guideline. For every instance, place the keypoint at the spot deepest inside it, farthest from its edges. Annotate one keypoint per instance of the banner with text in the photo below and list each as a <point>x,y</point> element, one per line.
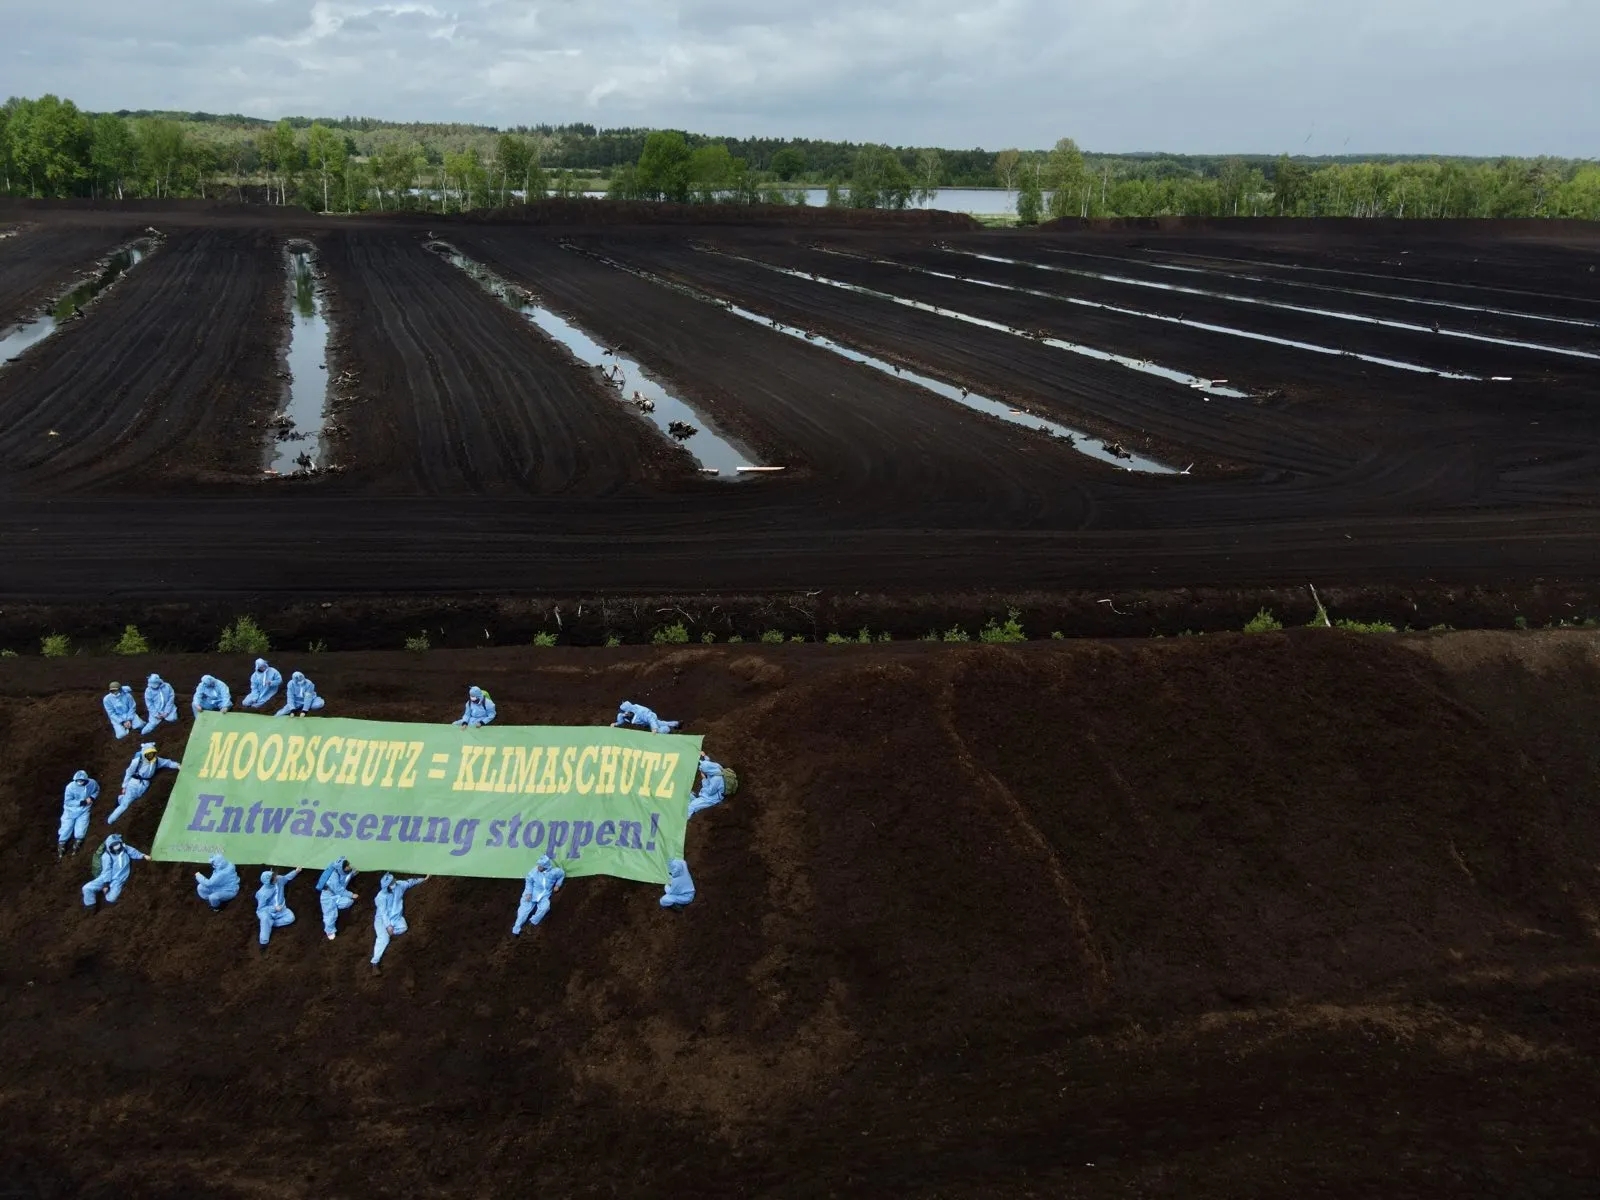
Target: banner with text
<point>430,799</point>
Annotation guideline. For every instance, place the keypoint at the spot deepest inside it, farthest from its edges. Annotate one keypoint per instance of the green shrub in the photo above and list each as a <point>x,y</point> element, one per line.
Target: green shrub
<point>1057,636</point>
<point>1521,622</point>
<point>1011,631</point>
<point>1191,633</point>
<point>1441,629</point>
<point>8,654</point>
<point>1263,622</point>
<point>955,634</point>
<point>885,636</point>
<point>131,642</point>
<point>317,647</point>
<point>931,636</point>
<point>612,641</point>
<point>707,638</point>
<point>735,640</point>
<point>772,637</point>
<point>1364,626</point>
<point>544,639</point>
<point>798,639</point>
<point>55,645</point>
<point>244,636</point>
<point>670,635</point>
<point>419,643</point>
<point>837,639</point>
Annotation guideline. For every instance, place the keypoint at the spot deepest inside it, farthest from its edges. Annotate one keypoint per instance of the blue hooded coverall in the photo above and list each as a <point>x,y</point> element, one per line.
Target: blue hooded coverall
<point>637,716</point>
<point>680,888</point>
<point>390,918</point>
<point>712,787</point>
<point>479,710</point>
<point>265,681</point>
<point>301,695</point>
<point>122,710</point>
<point>76,801</point>
<point>222,884</point>
<point>136,779</point>
<point>271,909</point>
<point>537,889</point>
<point>211,696</point>
<point>160,702</point>
<point>334,885</point>
<point>115,864</point>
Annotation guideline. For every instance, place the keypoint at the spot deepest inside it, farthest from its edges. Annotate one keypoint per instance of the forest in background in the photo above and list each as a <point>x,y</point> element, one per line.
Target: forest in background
<point>51,148</point>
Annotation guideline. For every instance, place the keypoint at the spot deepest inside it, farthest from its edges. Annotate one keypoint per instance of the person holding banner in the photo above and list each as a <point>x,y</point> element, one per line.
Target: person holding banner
<point>302,697</point>
<point>712,788</point>
<point>334,886</point>
<point>637,716</point>
<point>272,910</point>
<point>211,696</point>
<point>543,882</point>
<point>112,865</point>
<point>479,710</point>
<point>136,779</point>
<point>680,887</point>
<point>390,919</point>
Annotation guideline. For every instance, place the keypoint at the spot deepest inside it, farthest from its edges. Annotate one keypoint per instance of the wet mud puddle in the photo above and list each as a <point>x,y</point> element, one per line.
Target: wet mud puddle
<point>71,304</point>
<point>1090,351</point>
<point>296,445</point>
<point>1198,383</point>
<point>1260,302</point>
<point>1106,450</point>
<point>714,454</point>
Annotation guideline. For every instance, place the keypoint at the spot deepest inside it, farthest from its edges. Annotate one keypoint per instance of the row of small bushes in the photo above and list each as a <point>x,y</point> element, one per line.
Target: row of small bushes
<point>245,636</point>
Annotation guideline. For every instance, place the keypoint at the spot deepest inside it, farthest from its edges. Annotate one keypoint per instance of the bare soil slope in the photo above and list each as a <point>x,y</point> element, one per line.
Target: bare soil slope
<point>1283,915</point>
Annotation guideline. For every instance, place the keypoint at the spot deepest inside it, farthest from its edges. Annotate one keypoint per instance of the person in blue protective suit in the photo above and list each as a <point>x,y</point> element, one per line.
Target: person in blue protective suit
<point>122,710</point>
<point>390,919</point>
<point>76,802</point>
<point>265,681</point>
<point>136,779</point>
<point>543,882</point>
<point>302,697</point>
<point>711,789</point>
<point>334,886</point>
<point>272,910</point>
<point>116,861</point>
<point>220,886</point>
<point>160,703</point>
<point>479,710</point>
<point>211,696</point>
<point>637,716</point>
<point>680,888</point>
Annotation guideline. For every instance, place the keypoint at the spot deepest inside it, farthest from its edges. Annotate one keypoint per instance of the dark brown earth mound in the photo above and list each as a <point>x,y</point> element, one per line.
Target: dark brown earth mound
<point>1233,916</point>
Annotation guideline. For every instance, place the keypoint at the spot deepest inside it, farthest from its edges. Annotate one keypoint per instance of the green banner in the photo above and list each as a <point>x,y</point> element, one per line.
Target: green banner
<point>430,799</point>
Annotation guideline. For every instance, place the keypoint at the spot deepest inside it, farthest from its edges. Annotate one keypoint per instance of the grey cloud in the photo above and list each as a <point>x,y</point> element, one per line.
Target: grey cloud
<point>1450,76</point>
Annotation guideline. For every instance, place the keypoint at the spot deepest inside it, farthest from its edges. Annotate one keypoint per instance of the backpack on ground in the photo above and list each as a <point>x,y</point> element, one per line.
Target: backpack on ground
<point>730,781</point>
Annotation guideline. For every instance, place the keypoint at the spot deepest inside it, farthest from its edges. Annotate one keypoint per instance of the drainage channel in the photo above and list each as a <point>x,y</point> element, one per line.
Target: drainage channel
<point>715,455</point>
<point>1209,387</point>
<point>1107,451</point>
<point>71,303</point>
<point>1207,326</point>
<point>1424,301</point>
<point>1235,298</point>
<point>297,446</point>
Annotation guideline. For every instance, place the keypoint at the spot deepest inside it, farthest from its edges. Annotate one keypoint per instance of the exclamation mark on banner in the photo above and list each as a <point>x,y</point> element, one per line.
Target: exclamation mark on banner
<point>655,828</point>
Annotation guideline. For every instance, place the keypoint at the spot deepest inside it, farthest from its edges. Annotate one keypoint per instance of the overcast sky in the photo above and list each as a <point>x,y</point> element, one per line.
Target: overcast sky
<point>1314,76</point>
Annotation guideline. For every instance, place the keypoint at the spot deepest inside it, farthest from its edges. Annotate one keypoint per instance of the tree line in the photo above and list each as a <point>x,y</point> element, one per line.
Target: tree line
<point>51,148</point>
